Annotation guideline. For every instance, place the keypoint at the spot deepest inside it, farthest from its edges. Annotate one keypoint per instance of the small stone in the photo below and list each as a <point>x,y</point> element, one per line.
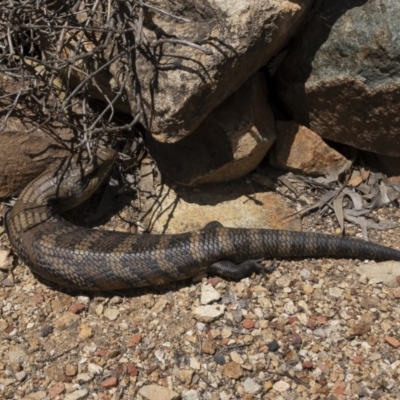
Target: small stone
<point>385,272</point>
<point>17,354</point>
<point>55,372</point>
<point>307,289</point>
<point>250,386</point>
<point>110,382</point>
<point>95,369</point>
<point>369,302</point>
<point>236,357</point>
<point>281,386</point>
<point>21,375</point>
<point>77,395</point>
<point>5,260</point>
<point>184,375</point>
<point>190,395</point>
<point>208,294</point>
<point>335,292</point>
<point>374,356</point>
<point>295,339</point>
<point>68,321</point>
<point>219,359</point>
<point>116,300</point>
<point>307,365</point>
<point>71,369</point>
<point>290,308</point>
<point>396,293</point>
<point>305,273</point>
<point>111,313</point>
<point>137,338</point>
<point>358,359</point>
<point>159,306</point>
<point>233,370</point>
<point>45,331</point>
<point>226,332</point>
<point>157,392</point>
<point>208,346</point>
<point>257,361</point>
<point>56,390</point>
<point>273,346</point>
<point>194,363</point>
<point>208,313</point>
<point>85,332</point>
<point>77,308</point>
<point>132,370</point>
<point>83,378</point>
<point>392,341</point>
<point>248,324</point>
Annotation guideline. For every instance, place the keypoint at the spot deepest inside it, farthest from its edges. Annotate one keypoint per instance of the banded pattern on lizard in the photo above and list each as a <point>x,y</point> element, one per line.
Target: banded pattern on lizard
<point>90,259</point>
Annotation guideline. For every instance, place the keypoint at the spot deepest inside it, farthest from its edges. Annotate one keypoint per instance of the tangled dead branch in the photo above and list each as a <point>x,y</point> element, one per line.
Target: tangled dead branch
<point>75,60</point>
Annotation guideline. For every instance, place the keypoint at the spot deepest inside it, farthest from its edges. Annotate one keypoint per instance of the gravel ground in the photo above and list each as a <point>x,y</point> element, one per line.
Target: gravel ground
<point>311,329</point>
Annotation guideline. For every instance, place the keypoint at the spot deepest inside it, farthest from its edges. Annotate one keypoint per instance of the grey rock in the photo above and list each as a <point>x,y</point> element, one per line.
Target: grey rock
<point>250,386</point>
<point>385,272</point>
<point>341,74</point>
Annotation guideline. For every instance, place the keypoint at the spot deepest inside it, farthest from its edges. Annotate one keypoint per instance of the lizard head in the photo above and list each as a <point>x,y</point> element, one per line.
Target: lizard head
<point>76,178</point>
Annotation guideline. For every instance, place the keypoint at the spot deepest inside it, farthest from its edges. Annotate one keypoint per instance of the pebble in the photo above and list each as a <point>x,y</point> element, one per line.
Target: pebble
<point>396,293</point>
<point>248,324</point>
<point>116,300</point>
<point>385,272</point>
<point>219,359</point>
<point>305,273</point>
<point>17,354</point>
<point>335,292</point>
<point>156,392</point>
<point>233,370</point>
<point>77,395</point>
<point>83,378</point>
<point>77,308</point>
<point>110,382</point>
<point>208,346</point>
<point>111,313</point>
<point>392,341</point>
<point>208,313</point>
<point>281,386</point>
<point>5,260</point>
<point>71,369</point>
<point>67,321</point>
<point>307,289</point>
<point>95,369</point>
<point>236,357</point>
<point>21,375</point>
<point>85,332</point>
<point>56,390</point>
<point>194,363</point>
<point>250,386</point>
<point>190,395</point>
<point>209,294</point>
<point>45,331</point>
<point>273,346</point>
<point>290,308</point>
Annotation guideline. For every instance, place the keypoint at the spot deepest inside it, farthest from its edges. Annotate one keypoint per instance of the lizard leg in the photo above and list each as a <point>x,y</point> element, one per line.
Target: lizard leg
<point>229,270</point>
